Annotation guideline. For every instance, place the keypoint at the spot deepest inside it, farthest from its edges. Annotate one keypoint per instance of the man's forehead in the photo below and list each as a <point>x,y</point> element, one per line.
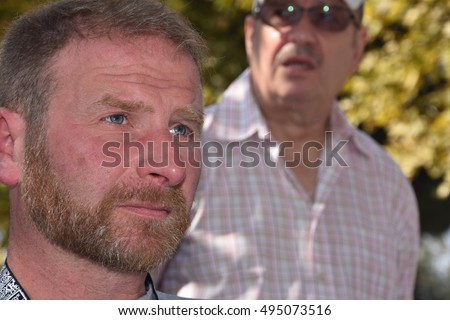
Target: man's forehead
<point>120,54</point>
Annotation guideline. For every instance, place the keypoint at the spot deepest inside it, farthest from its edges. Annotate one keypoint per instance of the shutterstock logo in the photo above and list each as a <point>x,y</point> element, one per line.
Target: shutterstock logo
<point>213,154</point>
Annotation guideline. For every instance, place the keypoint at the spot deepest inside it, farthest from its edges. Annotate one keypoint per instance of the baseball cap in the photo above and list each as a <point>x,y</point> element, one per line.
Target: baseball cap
<point>353,4</point>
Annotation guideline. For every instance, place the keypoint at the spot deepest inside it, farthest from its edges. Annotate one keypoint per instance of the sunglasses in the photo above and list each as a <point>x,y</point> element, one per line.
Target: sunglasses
<point>331,18</point>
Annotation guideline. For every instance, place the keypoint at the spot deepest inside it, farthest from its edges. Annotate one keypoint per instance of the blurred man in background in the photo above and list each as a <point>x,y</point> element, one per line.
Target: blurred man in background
<point>303,205</point>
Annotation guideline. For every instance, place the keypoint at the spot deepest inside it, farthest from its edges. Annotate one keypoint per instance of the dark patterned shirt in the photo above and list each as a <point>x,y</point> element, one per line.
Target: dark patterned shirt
<point>10,288</point>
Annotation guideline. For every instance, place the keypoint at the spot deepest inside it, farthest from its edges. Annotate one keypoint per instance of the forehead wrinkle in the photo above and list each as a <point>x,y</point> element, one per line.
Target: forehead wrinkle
<point>129,106</point>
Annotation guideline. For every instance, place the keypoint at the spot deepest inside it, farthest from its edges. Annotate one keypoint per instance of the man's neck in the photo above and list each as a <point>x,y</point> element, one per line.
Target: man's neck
<point>298,124</point>
<point>46,271</point>
<point>300,129</point>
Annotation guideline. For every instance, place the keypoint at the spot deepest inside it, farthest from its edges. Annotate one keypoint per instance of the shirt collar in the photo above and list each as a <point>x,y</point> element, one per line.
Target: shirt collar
<point>150,288</point>
<point>237,117</point>
<point>343,130</point>
<point>10,288</point>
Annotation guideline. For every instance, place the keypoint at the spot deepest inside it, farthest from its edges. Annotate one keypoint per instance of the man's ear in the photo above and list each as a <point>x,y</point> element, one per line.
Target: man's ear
<point>360,45</point>
<point>249,25</point>
<point>12,133</point>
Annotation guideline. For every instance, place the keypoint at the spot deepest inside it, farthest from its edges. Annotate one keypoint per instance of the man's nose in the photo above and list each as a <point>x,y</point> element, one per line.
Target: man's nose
<point>303,31</point>
<point>161,162</point>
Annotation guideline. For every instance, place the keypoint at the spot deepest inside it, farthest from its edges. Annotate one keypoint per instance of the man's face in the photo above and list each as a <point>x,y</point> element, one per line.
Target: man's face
<point>301,63</point>
<point>132,214</point>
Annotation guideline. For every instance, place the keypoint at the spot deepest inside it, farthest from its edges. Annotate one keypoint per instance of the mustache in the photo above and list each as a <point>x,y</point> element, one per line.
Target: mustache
<point>293,49</point>
<point>171,198</point>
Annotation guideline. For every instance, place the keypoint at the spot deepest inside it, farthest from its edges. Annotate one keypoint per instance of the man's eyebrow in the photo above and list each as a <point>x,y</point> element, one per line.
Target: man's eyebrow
<point>188,113</point>
<point>191,114</point>
<point>130,106</point>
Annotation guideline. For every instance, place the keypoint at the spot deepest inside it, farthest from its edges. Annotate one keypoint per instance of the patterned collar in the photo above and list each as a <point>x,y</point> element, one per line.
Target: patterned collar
<point>10,288</point>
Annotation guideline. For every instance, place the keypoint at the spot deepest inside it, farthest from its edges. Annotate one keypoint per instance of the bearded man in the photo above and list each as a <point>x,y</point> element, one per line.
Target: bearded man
<point>77,77</point>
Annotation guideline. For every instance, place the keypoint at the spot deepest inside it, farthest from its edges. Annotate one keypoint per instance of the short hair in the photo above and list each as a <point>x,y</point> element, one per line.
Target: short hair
<point>34,39</point>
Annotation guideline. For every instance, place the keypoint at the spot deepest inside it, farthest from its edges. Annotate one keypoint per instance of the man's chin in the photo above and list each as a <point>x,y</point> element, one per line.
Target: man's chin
<point>143,257</point>
<point>138,249</point>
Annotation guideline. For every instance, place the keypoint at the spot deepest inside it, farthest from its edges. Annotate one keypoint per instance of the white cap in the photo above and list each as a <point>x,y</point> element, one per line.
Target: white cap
<point>353,4</point>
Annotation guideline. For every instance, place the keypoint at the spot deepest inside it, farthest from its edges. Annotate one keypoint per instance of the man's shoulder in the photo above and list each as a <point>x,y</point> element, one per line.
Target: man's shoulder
<point>370,146</point>
<point>377,155</point>
<point>227,120</point>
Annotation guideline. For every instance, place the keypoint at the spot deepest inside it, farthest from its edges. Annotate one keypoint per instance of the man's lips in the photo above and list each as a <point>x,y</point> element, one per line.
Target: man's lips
<point>297,58</point>
<point>301,62</point>
<point>147,210</point>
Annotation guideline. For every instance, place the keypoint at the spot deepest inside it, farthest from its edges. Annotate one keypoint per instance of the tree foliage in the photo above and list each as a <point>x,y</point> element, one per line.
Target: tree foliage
<point>403,83</point>
<point>400,95</point>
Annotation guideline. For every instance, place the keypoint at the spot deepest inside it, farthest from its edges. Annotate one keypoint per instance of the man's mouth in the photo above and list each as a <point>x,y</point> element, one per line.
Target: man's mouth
<point>299,62</point>
<point>147,210</point>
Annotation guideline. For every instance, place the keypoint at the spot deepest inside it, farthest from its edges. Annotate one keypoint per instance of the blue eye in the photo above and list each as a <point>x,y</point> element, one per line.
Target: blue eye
<point>180,130</point>
<point>116,119</point>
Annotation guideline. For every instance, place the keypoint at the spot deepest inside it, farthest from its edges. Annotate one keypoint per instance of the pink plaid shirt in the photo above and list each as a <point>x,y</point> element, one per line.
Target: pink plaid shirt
<point>255,234</point>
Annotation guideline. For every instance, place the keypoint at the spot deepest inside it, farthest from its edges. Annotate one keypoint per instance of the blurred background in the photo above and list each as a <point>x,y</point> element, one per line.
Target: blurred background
<point>400,96</point>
